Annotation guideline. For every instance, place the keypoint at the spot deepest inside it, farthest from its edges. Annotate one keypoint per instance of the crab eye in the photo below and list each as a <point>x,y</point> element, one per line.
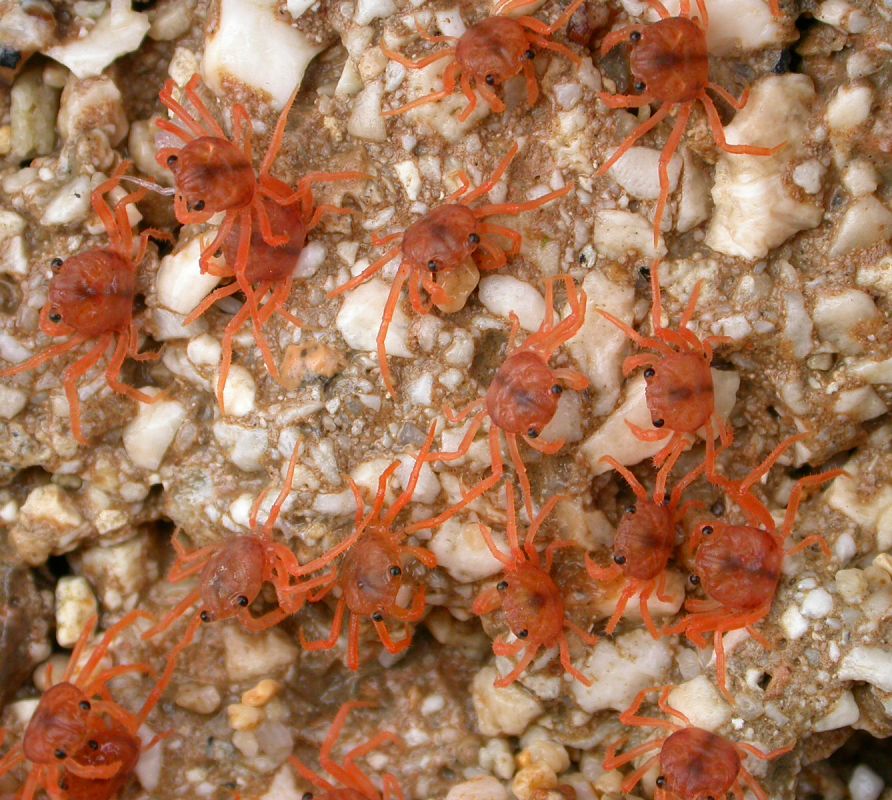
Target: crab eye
<point>432,266</point>
<point>307,796</point>
<point>557,389</point>
<point>502,586</point>
<point>378,616</point>
<point>171,160</point>
<point>649,372</point>
<point>523,634</point>
<point>619,560</point>
<point>695,579</point>
<point>55,317</point>
<point>199,205</point>
<point>635,36</point>
<point>395,571</point>
<point>532,433</point>
<point>474,238</point>
<point>661,781</point>
<point>631,509</point>
<point>84,705</point>
<point>242,600</point>
<point>205,617</point>
<point>93,744</point>
<point>530,54</point>
<point>61,755</point>
<point>707,530</point>
<point>659,423</point>
<point>56,263</point>
<point>640,86</point>
<point>490,80</point>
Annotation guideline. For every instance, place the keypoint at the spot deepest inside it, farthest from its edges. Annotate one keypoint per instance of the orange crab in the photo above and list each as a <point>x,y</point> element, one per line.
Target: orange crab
<point>694,763</point>
<point>91,300</point>
<point>739,566</point>
<point>372,570</point>
<point>521,400</point>
<point>487,55</point>
<point>233,572</point>
<point>269,269</point>
<point>355,785</point>
<point>439,243</point>
<point>670,65</point>
<point>530,599</point>
<point>79,736</point>
<point>680,394</point>
<point>644,542</point>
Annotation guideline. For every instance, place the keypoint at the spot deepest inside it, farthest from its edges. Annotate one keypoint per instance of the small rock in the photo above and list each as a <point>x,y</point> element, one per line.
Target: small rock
<point>865,784</point>
<point>483,788</point>
<point>252,656</point>
<point>701,703</point>
<point>197,697</point>
<point>309,360</point>
<point>461,550</point>
<point>842,713</point>
<point>872,665</point>
<point>502,711</point>
<point>75,605</point>
<point>360,317</point>
<point>151,432</point>
<point>48,522</point>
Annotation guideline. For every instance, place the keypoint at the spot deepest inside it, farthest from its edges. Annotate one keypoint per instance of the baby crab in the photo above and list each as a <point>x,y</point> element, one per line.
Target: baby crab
<point>442,241</point>
<point>91,300</point>
<point>372,571</point>
<point>532,602</point>
<point>269,269</point>
<point>695,764</point>
<point>680,394</point>
<point>522,398</point>
<point>644,542</point>
<point>739,566</point>
<point>355,785</point>
<point>233,572</point>
<point>68,740</point>
<point>487,55</point>
<point>670,65</point>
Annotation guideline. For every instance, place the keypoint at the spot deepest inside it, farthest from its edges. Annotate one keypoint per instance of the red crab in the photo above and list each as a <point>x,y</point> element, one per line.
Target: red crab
<point>680,395</point>
<point>439,243</point>
<point>233,572</point>
<point>91,301</point>
<point>79,738</point>
<point>372,570</point>
<point>487,55</point>
<point>355,785</point>
<point>521,400</point>
<point>670,66</point>
<point>644,542</point>
<point>530,599</point>
<point>739,566</point>
<point>269,269</point>
<point>695,764</point>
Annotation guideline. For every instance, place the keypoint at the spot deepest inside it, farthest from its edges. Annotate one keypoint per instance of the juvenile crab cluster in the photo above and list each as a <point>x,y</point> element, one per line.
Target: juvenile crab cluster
<point>373,582</point>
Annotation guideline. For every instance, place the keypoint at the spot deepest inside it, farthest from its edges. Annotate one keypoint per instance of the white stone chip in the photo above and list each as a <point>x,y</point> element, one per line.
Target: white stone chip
<point>365,120</point>
<point>151,432</point>
<point>502,294</point>
<point>620,669</point>
<point>838,315</point>
<point>180,286</point>
<point>239,392</point>
<point>869,664</point>
<point>249,656</point>
<point>75,605</point>
<point>12,401</point>
<point>865,223</point>
<point>638,172</point>
<point>849,107</point>
<point>506,711</point>
<point>246,28</point>
<point>483,787</point>
<point>619,234</point>
<point>701,703</point>
<point>842,713</point>
<point>368,10</point>
<point>461,550</point>
<point>818,603</point>
<point>754,209</point>
<point>119,30</point>
<point>360,317</point>
<point>865,784</point>
<point>793,623</point>
<point>243,446</point>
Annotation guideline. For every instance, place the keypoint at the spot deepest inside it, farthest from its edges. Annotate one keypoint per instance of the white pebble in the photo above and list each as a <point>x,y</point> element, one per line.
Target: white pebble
<point>204,350</point>
<point>75,604</point>
<point>793,623</point>
<point>860,177</point>
<point>818,604</point>
<point>870,664</point>
<point>360,317</point>
<point>484,787</point>
<point>180,285</point>
<point>502,294</point>
<point>245,28</point>
<point>70,204</point>
<point>151,432</point>
<point>701,703</point>
<point>865,223</point>
<point>865,784</point>
<point>808,176</point>
<point>12,401</point>
<point>461,550</point>
<point>638,172</point>
<point>836,315</point>
<point>243,446</point>
<point>849,107</point>
<point>239,392</point>
<point>842,713</point>
<point>502,711</point>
